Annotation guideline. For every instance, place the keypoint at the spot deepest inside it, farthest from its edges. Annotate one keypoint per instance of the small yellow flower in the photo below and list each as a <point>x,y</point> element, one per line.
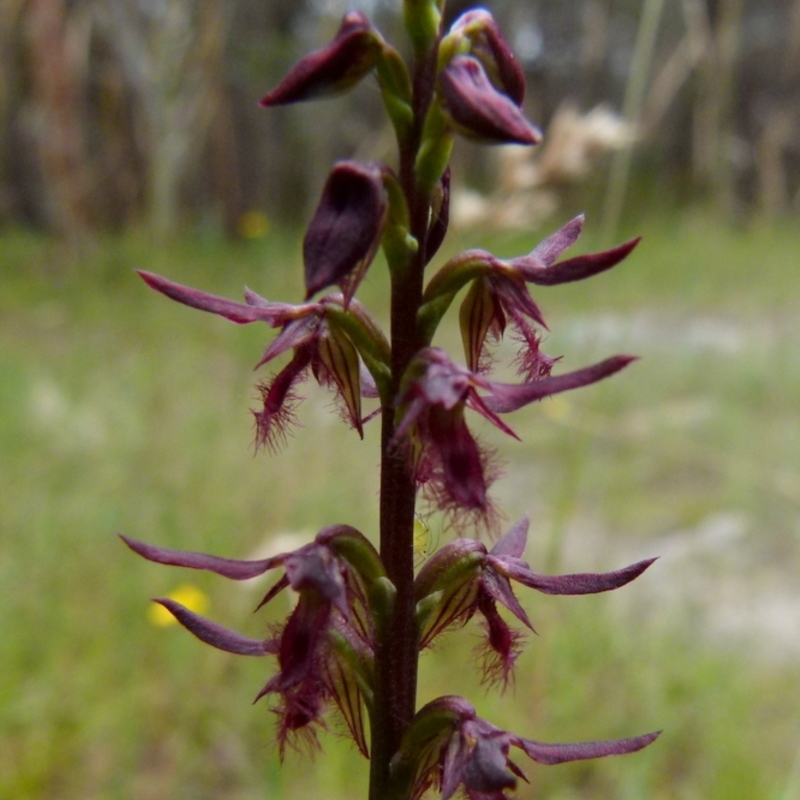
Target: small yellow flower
<point>187,595</point>
<point>253,224</point>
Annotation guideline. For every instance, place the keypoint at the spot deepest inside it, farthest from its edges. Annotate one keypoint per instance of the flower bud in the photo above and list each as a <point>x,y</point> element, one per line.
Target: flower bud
<point>332,69</point>
<point>491,49</point>
<point>346,230</point>
<point>477,110</point>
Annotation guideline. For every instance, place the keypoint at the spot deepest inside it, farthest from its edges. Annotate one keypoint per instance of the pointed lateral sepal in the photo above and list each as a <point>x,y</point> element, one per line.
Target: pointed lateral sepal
<point>572,269</point>
<point>216,635</point>
<point>507,397</point>
<point>345,232</point>
<point>241,313</point>
<point>578,583</point>
<point>544,753</point>
<point>332,69</point>
<point>235,569</point>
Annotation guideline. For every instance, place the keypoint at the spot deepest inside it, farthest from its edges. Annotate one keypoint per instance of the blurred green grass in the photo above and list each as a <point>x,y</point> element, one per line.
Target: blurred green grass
<point>122,412</point>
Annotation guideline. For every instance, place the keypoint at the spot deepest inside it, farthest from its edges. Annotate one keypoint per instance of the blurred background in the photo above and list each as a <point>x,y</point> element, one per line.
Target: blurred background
<point>130,137</point>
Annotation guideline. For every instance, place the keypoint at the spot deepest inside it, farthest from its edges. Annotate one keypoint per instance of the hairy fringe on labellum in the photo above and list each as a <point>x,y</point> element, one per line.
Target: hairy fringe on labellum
<point>498,652</point>
<point>486,518</point>
<point>273,423</point>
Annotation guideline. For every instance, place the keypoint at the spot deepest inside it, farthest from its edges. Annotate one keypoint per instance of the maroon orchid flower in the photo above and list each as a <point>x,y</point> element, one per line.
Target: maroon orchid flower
<point>344,235</point>
<point>488,45</point>
<point>332,69</point>
<point>477,110</point>
<point>448,746</point>
<point>434,394</point>
<point>326,337</point>
<point>498,295</point>
<point>326,647</point>
<point>463,578</point>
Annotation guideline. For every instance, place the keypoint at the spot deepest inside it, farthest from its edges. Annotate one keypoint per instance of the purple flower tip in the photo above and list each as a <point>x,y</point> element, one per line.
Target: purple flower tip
<point>477,110</point>
<point>334,68</point>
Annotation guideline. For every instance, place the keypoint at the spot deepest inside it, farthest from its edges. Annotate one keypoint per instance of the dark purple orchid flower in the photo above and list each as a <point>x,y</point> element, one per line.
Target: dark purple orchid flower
<point>332,69</point>
<point>448,746</point>
<point>326,647</point>
<point>344,235</point>
<point>464,578</point>
<point>498,295</point>
<point>479,111</point>
<point>433,396</point>
<point>491,49</point>
<point>320,335</point>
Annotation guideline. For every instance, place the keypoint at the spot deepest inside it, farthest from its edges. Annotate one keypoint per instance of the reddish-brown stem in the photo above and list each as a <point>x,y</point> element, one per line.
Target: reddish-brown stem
<point>398,650</point>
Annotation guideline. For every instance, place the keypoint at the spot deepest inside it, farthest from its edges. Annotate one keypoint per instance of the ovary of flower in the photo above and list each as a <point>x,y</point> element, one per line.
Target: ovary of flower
<point>187,595</point>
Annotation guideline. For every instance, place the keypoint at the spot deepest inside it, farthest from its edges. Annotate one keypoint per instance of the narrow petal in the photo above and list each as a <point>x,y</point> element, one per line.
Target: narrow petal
<point>578,583</point>
<point>513,541</point>
<point>506,397</point>
<point>547,251</point>
<point>216,635</point>
<point>273,591</point>
<point>241,313</point>
<point>294,334</point>
<point>498,587</point>
<point>227,567</point>
<point>560,753</point>
<point>573,269</point>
